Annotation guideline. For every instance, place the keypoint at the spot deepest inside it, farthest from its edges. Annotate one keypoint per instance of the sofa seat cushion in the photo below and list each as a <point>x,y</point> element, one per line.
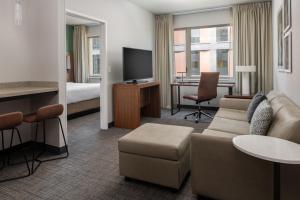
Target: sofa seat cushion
<point>158,141</point>
<point>229,125</point>
<point>218,133</point>
<point>232,114</point>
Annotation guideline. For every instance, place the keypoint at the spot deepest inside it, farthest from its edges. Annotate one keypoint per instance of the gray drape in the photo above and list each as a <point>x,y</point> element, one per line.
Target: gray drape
<point>252,24</point>
<point>164,56</point>
<point>80,46</point>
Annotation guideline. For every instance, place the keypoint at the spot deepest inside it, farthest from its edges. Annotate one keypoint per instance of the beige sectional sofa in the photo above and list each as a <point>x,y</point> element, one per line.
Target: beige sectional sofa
<point>220,171</point>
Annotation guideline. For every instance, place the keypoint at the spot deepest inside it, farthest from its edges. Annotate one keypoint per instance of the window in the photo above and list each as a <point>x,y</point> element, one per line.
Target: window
<point>199,50</point>
<point>94,56</point>
<point>180,51</point>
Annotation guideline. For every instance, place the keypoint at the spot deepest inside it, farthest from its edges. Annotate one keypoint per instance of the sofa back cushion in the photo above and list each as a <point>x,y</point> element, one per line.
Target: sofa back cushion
<point>286,119</point>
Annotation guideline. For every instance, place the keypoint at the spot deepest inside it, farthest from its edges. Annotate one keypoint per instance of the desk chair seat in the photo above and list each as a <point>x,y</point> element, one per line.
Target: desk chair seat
<point>196,98</point>
<point>207,90</point>
<point>42,115</point>
<point>10,121</point>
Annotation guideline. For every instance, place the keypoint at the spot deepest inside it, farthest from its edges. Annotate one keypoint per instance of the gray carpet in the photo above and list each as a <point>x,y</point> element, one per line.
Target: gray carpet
<point>91,171</point>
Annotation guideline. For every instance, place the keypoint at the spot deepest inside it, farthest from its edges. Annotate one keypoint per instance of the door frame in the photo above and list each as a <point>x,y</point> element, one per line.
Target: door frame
<point>103,65</point>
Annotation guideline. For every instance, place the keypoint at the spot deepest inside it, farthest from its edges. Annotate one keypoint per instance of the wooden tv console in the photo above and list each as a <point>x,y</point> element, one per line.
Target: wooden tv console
<point>133,100</point>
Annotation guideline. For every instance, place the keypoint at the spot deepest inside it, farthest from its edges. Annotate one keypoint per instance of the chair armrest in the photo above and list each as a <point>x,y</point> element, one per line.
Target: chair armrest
<point>234,103</point>
<point>220,171</point>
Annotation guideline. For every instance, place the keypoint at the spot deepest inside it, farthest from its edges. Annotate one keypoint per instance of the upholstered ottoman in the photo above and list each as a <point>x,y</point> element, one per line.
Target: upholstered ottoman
<point>156,153</point>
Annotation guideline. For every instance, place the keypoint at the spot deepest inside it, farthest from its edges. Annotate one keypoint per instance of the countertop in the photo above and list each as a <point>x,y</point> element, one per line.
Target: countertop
<point>16,89</point>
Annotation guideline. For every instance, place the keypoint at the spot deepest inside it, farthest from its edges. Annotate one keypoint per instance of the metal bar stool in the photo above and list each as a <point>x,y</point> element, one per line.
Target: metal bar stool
<point>8,122</point>
<point>42,115</point>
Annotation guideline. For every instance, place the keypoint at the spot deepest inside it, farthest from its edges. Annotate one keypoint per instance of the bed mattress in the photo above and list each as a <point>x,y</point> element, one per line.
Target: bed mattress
<point>77,92</point>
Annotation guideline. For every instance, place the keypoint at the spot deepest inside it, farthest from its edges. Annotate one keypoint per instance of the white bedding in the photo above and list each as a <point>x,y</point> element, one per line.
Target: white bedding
<point>77,92</point>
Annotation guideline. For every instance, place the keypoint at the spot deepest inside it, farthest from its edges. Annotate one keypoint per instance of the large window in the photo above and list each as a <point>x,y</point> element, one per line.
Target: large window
<point>94,56</point>
<point>199,50</point>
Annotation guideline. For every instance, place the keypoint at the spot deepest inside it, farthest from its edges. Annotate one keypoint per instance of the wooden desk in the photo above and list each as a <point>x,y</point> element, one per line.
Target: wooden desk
<point>15,90</point>
<point>192,84</point>
<point>133,100</point>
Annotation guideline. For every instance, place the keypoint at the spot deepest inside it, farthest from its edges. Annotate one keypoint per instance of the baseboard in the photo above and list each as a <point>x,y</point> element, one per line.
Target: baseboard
<point>111,124</point>
<point>83,113</point>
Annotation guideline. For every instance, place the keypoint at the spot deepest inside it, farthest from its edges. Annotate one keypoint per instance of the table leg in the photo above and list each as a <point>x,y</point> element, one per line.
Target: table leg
<point>276,186</point>
<point>172,101</point>
<point>179,104</point>
<point>230,91</point>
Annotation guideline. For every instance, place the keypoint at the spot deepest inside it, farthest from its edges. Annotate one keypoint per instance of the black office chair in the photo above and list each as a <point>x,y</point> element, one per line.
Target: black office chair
<point>207,90</point>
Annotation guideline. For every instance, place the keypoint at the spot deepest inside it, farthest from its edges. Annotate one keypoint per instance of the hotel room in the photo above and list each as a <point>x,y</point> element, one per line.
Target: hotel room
<point>139,99</point>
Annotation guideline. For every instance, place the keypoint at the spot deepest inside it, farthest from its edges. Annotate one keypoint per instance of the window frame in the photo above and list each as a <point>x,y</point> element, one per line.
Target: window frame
<point>188,52</point>
<point>90,58</point>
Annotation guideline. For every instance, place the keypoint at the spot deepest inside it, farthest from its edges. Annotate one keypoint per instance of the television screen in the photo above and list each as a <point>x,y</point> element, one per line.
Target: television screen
<point>137,64</point>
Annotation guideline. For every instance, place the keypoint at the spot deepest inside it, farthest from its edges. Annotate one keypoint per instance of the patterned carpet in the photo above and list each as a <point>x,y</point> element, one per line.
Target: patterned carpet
<point>91,171</point>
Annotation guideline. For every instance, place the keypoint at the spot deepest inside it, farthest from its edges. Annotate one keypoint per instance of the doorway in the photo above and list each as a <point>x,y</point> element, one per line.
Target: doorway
<point>86,65</point>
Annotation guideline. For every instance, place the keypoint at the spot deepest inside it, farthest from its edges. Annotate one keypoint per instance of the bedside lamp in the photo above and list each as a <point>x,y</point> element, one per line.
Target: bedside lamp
<point>245,70</point>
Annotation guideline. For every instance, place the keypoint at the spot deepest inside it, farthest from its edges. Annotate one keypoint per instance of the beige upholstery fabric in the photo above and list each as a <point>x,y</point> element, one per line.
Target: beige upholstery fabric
<point>156,153</point>
<point>286,122</point>
<point>218,133</point>
<point>238,104</point>
<point>230,125</point>
<point>154,170</point>
<point>157,140</point>
<point>240,115</point>
<point>222,172</point>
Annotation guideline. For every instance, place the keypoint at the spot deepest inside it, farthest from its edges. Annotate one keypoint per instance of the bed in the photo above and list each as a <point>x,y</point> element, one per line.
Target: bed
<point>82,97</point>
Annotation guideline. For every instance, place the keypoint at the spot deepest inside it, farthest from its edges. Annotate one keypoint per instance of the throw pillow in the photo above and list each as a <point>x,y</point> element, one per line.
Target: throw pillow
<point>262,119</point>
<point>259,97</point>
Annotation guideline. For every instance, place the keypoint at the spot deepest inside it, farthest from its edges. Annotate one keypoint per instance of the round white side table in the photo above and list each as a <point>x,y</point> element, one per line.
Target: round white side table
<point>272,149</point>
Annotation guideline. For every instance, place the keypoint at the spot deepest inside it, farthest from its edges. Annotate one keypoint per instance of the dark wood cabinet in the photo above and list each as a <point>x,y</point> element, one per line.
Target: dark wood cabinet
<point>131,101</point>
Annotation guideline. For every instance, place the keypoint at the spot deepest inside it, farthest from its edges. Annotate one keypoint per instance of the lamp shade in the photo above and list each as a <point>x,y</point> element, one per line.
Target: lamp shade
<point>245,68</point>
<point>68,62</point>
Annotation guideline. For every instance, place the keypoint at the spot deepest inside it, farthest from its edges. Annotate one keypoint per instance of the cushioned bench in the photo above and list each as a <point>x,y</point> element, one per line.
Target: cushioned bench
<point>156,153</point>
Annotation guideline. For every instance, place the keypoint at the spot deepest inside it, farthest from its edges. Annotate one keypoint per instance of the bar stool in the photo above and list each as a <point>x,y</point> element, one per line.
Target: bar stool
<point>42,115</point>
<point>10,121</point>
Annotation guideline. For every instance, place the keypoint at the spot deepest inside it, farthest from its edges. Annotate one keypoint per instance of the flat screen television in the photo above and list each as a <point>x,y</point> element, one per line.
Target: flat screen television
<point>137,64</point>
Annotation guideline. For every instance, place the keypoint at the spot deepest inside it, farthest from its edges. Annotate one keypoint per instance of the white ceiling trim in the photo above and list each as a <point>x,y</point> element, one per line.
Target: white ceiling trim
<point>186,6</point>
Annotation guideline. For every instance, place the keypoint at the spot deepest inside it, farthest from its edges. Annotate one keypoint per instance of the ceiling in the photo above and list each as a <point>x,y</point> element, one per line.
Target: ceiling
<point>70,20</point>
<point>178,6</point>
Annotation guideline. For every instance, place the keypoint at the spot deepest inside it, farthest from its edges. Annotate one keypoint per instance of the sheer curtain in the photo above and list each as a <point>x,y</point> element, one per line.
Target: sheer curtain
<point>252,24</point>
<point>80,45</point>
<point>164,56</point>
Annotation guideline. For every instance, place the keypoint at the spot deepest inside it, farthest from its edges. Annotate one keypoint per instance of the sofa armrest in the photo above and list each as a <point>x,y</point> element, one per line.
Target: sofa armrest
<point>220,171</point>
<point>234,103</point>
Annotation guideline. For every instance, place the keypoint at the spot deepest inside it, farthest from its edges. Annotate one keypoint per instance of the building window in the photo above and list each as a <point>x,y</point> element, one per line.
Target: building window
<point>207,49</point>
<point>180,51</point>
<point>94,56</point>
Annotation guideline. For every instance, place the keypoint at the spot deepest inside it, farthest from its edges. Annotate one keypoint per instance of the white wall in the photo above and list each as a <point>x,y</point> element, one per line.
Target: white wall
<point>32,52</point>
<point>203,19</point>
<point>288,83</point>
<point>15,43</point>
<point>127,26</point>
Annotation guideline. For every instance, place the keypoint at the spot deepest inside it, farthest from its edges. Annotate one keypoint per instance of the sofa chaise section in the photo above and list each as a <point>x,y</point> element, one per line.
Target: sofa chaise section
<point>220,171</point>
